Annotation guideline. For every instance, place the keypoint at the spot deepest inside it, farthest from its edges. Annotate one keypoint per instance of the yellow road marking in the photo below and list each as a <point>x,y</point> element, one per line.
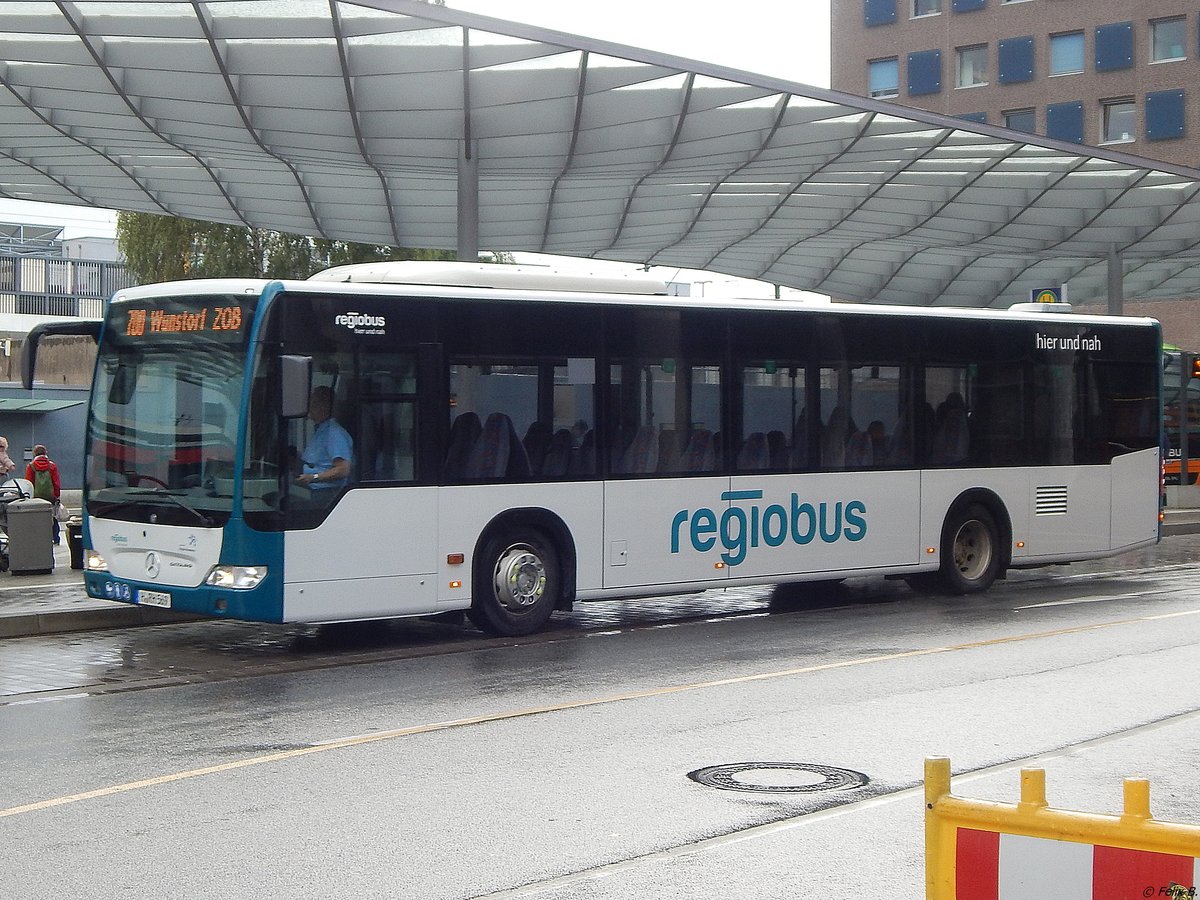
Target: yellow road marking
<point>393,733</point>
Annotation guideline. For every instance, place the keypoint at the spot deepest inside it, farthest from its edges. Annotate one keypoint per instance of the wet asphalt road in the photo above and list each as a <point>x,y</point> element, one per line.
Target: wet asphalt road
<point>423,760</point>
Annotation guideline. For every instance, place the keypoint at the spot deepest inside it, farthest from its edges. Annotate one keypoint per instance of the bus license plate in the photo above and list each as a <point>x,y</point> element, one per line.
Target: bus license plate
<point>154,598</point>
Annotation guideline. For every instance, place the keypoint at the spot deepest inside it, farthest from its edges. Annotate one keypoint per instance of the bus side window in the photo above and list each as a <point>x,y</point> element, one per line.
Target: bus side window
<point>502,396</point>
<point>774,433</point>
<point>537,444</point>
<point>497,452</point>
<point>387,441</point>
<point>951,439</point>
<point>947,431</point>
<point>384,404</point>
<point>464,431</point>
<point>667,418</point>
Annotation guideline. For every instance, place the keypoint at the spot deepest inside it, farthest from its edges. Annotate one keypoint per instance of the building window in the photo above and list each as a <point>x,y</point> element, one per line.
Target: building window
<point>926,7</point>
<point>972,65</point>
<point>1119,121</point>
<point>883,77</point>
<point>1168,37</point>
<point>1021,120</point>
<point>1066,53</point>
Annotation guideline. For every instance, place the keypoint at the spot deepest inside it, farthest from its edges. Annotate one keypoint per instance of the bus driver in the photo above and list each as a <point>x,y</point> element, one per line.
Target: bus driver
<point>326,458</point>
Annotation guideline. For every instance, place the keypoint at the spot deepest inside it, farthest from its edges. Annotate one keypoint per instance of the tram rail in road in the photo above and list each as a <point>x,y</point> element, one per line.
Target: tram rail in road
<point>326,746</point>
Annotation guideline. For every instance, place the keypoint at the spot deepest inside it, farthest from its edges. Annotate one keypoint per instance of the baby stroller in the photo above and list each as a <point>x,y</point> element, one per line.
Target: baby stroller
<point>13,489</point>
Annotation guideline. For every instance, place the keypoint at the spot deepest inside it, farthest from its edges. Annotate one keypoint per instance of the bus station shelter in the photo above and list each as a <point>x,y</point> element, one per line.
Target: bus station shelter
<point>400,123</point>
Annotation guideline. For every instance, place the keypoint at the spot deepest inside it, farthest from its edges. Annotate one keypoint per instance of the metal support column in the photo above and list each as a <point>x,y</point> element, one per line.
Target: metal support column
<point>468,203</point>
<point>1116,283</point>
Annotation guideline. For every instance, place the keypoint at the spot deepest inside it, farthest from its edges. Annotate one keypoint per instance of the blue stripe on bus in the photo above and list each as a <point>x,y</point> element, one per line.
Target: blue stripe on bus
<point>742,495</point>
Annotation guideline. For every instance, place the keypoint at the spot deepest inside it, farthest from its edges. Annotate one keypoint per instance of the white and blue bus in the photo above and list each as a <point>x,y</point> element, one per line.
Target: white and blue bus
<point>520,443</point>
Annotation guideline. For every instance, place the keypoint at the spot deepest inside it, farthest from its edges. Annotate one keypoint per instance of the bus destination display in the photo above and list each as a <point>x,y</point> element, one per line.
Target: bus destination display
<point>219,321</point>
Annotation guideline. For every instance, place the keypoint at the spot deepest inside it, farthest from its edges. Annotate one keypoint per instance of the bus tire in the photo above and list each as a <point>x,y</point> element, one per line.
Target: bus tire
<point>517,583</point>
<point>971,552</point>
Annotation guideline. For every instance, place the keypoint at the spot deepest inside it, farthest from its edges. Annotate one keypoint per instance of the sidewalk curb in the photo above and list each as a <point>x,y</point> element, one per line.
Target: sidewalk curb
<point>1181,528</point>
<point>33,624</point>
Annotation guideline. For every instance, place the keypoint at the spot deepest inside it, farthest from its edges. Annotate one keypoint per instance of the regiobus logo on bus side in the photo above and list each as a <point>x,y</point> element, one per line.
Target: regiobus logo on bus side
<point>362,323</point>
<point>740,529</point>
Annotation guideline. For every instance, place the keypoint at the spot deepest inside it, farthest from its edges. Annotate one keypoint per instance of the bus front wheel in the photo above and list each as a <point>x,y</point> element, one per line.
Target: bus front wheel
<point>971,556</point>
<point>517,583</point>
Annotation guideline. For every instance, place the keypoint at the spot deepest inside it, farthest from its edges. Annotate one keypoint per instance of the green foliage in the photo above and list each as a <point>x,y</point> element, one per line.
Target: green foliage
<point>340,253</point>
<point>156,248</point>
<point>161,248</point>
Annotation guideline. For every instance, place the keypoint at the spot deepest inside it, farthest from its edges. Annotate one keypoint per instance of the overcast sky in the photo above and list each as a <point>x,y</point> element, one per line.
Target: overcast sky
<point>783,38</point>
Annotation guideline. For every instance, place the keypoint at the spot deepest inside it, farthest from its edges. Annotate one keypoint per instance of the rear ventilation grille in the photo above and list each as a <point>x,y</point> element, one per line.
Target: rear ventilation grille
<point>1052,500</point>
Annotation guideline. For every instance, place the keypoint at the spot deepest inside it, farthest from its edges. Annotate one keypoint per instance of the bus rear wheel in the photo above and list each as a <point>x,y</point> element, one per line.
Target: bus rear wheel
<point>517,583</point>
<point>971,556</point>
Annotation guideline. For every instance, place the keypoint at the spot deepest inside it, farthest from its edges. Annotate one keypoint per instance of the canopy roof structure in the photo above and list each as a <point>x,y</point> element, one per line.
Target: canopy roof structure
<point>397,122</point>
<point>17,238</point>
<point>26,406</point>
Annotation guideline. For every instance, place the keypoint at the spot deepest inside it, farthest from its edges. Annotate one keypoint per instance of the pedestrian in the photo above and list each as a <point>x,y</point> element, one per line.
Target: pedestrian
<point>46,486</point>
<point>7,466</point>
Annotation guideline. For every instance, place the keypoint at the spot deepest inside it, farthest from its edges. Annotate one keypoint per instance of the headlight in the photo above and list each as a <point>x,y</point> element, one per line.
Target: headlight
<point>237,578</point>
<point>94,562</point>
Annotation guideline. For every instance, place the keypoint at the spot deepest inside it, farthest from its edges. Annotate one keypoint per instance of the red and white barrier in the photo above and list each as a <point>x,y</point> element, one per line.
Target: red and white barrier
<point>994,866</point>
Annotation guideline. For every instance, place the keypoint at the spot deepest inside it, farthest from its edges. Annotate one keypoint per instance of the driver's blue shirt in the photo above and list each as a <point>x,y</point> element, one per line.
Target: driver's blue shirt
<point>329,442</point>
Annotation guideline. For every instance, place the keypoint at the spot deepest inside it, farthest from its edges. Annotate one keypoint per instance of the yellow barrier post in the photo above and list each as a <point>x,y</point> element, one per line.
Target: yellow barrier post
<point>984,850</point>
<point>937,787</point>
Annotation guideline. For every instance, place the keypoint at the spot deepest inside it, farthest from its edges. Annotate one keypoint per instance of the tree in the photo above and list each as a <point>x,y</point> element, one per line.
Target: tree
<point>162,248</point>
<point>156,248</point>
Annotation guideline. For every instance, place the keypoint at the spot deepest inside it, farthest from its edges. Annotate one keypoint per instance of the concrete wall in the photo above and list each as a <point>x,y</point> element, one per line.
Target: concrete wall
<point>66,361</point>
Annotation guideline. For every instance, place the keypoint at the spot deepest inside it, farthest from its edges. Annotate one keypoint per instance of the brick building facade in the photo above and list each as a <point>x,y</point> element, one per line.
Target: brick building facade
<point>1102,72</point>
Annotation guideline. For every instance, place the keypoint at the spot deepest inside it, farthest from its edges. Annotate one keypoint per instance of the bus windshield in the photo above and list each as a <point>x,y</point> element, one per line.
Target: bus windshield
<point>164,410</point>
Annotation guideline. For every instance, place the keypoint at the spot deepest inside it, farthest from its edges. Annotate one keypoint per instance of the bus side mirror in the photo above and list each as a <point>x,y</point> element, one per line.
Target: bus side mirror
<point>124,383</point>
<point>295,386</point>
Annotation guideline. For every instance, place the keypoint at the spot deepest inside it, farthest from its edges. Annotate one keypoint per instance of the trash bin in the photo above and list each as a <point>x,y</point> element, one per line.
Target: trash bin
<point>30,537</point>
<point>74,528</point>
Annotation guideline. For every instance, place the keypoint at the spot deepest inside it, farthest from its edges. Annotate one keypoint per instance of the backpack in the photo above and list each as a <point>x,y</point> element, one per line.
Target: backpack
<point>43,485</point>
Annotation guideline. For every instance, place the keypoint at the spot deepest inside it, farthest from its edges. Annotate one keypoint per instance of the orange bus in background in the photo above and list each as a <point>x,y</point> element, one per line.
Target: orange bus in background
<point>1181,397</point>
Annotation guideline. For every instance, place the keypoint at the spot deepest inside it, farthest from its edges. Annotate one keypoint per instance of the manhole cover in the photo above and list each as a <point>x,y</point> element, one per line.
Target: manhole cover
<point>778,777</point>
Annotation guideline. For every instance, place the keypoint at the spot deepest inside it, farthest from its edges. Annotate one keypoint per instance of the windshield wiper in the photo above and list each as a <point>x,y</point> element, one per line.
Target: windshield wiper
<point>204,520</point>
<point>174,496</point>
